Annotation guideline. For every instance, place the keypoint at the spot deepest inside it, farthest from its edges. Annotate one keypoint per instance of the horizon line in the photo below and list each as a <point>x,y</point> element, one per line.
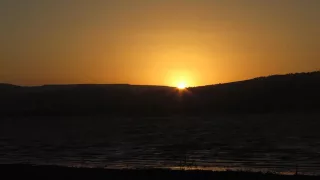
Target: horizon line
<point>155,85</point>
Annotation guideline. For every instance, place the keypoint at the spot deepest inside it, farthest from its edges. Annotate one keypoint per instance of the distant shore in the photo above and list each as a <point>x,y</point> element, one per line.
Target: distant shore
<point>57,172</point>
<point>289,93</point>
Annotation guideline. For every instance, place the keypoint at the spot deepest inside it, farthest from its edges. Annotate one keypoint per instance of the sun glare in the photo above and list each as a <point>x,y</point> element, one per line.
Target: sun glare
<point>181,85</point>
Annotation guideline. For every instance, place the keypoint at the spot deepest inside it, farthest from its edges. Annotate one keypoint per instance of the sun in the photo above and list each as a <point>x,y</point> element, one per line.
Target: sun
<point>181,85</point>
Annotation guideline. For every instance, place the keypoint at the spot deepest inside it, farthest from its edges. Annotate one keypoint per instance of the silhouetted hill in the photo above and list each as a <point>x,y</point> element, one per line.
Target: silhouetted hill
<point>279,93</point>
<point>4,86</point>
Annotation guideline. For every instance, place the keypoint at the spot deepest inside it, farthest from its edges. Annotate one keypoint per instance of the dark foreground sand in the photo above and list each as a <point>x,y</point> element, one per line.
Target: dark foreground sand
<point>60,173</point>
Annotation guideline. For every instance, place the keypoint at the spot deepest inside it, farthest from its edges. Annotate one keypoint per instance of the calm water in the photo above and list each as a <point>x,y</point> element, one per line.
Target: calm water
<point>255,142</point>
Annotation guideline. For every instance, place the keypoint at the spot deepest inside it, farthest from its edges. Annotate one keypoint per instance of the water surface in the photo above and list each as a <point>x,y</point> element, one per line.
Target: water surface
<point>273,142</point>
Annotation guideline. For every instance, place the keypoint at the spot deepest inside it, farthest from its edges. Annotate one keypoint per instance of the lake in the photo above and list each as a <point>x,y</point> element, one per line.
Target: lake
<point>269,142</point>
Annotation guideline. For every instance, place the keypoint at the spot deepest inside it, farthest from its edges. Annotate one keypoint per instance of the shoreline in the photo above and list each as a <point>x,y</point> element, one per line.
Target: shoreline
<point>23,171</point>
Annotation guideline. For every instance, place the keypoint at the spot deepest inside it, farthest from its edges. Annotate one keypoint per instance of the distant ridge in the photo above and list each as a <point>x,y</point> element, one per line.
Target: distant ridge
<point>297,92</point>
<point>256,78</point>
<point>316,73</point>
<point>7,85</point>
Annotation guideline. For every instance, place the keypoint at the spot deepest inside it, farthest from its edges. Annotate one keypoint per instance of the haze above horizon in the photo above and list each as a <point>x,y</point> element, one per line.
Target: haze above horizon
<point>169,42</point>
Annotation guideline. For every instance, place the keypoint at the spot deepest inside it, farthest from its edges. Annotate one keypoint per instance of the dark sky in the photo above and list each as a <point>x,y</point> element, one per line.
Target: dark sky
<point>164,42</point>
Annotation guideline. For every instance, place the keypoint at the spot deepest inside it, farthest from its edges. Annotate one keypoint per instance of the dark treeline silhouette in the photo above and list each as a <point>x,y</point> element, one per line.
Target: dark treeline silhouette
<point>298,92</point>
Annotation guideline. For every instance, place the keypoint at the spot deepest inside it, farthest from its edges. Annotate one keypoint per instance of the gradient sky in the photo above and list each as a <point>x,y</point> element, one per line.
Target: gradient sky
<point>158,42</point>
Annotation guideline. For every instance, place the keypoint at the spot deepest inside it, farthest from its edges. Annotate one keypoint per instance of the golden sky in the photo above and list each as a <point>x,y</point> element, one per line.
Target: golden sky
<point>156,42</point>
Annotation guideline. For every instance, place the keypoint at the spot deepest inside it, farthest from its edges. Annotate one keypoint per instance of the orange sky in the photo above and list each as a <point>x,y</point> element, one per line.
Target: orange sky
<point>156,42</point>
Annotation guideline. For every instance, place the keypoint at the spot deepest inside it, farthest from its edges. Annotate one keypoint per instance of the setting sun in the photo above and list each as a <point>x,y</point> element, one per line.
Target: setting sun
<point>181,85</point>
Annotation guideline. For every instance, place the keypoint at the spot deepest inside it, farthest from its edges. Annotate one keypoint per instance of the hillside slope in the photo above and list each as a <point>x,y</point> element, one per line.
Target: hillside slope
<point>280,93</point>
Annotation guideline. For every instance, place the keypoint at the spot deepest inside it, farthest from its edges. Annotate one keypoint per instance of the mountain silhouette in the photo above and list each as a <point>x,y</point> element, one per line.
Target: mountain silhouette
<point>273,94</point>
